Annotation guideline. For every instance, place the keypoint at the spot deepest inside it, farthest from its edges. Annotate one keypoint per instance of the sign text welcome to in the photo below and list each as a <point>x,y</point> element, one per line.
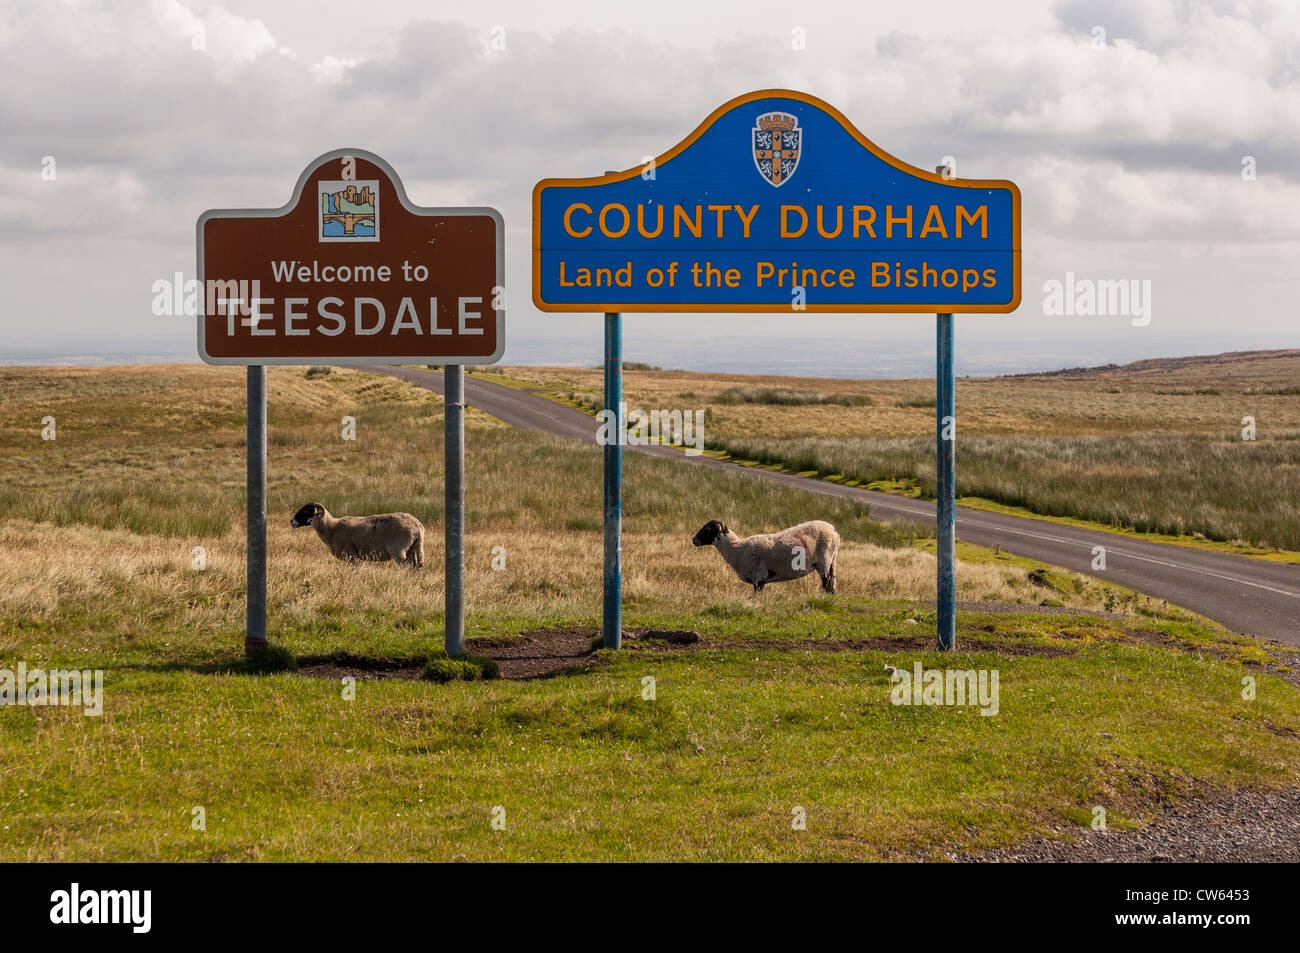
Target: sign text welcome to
<point>350,272</point>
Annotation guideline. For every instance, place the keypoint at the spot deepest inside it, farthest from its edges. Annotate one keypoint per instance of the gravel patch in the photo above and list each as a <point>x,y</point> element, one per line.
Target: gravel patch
<point>1043,610</point>
<point>1234,827</point>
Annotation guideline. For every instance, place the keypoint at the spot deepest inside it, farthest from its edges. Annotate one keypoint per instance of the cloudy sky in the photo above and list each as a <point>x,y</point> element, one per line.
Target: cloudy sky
<point>1129,151</point>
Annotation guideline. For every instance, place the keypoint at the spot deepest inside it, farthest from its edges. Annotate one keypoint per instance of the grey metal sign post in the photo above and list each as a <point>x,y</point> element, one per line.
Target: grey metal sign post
<point>453,381</point>
<point>255,631</point>
<point>434,279</point>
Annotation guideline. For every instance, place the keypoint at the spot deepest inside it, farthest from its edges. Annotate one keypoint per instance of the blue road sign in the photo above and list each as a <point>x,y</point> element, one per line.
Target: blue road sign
<point>776,203</point>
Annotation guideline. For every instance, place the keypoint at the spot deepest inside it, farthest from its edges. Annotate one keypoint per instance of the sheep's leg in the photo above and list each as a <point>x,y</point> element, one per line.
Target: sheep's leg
<point>412,556</point>
<point>828,579</point>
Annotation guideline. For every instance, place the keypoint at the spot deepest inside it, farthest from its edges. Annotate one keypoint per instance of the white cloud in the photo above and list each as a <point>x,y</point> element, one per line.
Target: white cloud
<point>220,33</point>
<point>1128,155</point>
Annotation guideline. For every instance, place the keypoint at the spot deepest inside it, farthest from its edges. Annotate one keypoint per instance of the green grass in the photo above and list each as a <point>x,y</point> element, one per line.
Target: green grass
<point>466,668</point>
<point>584,769</point>
<point>784,704</point>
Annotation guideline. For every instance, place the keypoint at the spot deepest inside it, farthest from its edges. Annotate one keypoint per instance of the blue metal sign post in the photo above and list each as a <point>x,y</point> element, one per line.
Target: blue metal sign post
<point>946,494</point>
<point>777,204</point>
<point>612,615</point>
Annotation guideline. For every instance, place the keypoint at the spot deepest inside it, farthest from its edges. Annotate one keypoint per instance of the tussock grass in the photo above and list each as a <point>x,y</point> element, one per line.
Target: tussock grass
<point>267,661</point>
<point>1216,487</point>
<point>467,668</point>
<point>787,397</point>
<point>129,598</point>
<point>1155,447</point>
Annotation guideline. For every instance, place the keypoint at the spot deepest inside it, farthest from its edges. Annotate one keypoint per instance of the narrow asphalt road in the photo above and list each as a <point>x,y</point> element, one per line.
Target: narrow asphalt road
<point>1251,596</point>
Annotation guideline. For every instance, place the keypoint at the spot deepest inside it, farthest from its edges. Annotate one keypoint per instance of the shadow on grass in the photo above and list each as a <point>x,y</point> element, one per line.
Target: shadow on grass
<point>435,667</point>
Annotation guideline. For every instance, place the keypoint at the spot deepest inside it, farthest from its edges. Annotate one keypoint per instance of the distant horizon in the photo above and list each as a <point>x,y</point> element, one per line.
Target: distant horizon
<point>899,357</point>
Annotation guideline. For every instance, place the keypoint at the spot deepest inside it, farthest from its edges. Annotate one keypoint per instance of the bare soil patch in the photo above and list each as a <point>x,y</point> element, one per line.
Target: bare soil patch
<point>361,668</point>
<point>538,652</point>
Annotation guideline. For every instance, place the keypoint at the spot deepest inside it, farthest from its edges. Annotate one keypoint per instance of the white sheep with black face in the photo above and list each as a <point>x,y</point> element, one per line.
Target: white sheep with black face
<point>776,557</point>
<point>395,536</point>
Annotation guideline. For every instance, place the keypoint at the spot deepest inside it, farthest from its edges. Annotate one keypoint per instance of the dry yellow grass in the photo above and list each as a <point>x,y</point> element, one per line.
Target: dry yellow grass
<point>88,588</point>
<point>98,528</point>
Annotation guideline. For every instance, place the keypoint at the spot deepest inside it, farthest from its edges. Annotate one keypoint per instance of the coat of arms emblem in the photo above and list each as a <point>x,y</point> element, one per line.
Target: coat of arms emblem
<point>778,143</point>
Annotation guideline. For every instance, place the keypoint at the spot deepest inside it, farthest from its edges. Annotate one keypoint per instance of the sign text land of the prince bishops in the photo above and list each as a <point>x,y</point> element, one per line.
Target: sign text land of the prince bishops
<point>776,202</point>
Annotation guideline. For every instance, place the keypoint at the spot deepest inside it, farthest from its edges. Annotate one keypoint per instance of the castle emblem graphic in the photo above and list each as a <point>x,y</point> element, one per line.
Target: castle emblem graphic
<point>778,143</point>
<point>349,211</point>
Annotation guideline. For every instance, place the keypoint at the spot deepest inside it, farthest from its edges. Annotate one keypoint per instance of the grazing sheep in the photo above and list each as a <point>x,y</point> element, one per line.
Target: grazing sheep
<point>772,557</point>
<point>396,536</point>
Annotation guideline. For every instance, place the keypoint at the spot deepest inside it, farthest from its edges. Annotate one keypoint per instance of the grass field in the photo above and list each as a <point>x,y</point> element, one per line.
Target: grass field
<point>1154,447</point>
<point>784,704</point>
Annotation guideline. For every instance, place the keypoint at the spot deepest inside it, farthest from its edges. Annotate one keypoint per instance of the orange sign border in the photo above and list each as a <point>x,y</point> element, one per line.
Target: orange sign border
<point>676,150</point>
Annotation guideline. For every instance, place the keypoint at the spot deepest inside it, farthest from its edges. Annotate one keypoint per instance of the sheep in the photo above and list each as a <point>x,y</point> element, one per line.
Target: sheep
<point>773,557</point>
<point>396,536</point>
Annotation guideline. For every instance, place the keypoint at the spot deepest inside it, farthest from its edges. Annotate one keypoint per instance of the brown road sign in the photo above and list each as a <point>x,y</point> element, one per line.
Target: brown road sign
<point>350,272</point>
